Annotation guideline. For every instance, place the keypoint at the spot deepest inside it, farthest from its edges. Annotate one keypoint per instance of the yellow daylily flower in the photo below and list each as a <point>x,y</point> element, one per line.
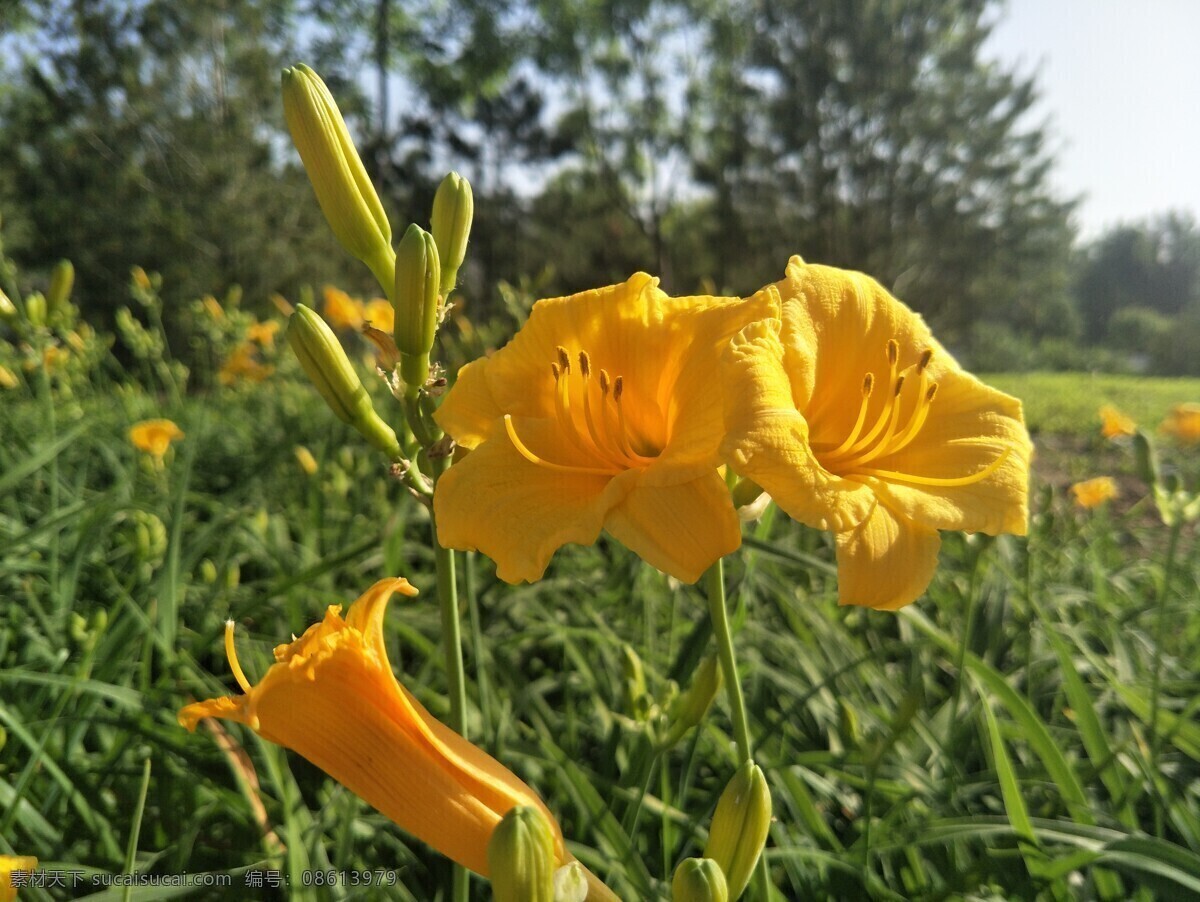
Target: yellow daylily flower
<point>242,365</point>
<point>603,412</point>
<point>14,864</point>
<point>380,314</point>
<point>1094,492</point>
<point>1114,423</point>
<point>154,436</point>
<point>854,419</point>
<point>342,311</point>
<point>263,333</point>
<point>1183,423</point>
<point>331,697</point>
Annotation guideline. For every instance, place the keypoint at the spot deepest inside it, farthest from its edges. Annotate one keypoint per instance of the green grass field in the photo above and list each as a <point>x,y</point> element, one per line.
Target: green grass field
<point>1026,731</point>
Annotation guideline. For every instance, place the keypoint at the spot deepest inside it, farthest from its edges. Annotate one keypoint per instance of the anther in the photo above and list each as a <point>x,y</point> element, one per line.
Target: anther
<point>555,370</point>
<point>618,388</point>
<point>893,351</point>
<point>926,356</point>
<point>899,384</point>
<point>585,364</point>
<point>932,391</point>
<point>604,383</point>
<point>564,359</point>
<point>868,385</point>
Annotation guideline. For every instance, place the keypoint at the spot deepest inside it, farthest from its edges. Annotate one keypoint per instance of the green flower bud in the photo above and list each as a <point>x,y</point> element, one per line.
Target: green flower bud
<point>699,880</point>
<point>8,310</point>
<point>1146,458</point>
<point>418,272</point>
<point>689,709</point>
<point>521,857</point>
<point>338,177</point>
<point>739,827</point>
<point>36,309</point>
<point>62,279</point>
<point>325,362</point>
<point>453,211</point>
<point>637,698</point>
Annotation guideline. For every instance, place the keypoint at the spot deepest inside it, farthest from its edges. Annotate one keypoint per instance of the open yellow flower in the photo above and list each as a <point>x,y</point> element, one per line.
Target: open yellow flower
<point>1094,492</point>
<point>154,436</point>
<point>263,332</point>
<point>1183,423</point>
<point>10,864</point>
<point>1113,423</point>
<point>243,366</point>
<point>342,311</point>
<point>854,419</point>
<point>331,696</point>
<point>603,412</point>
<point>380,314</point>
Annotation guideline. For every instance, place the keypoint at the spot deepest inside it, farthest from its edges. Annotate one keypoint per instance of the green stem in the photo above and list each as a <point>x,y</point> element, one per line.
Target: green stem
<point>447,592</point>
<point>1156,672</point>
<point>715,585</point>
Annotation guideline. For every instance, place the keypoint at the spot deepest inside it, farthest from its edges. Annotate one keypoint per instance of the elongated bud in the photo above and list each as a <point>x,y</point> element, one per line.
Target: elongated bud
<point>36,309</point>
<point>418,273</point>
<point>699,880</point>
<point>637,697</point>
<point>521,857</point>
<point>8,310</point>
<point>739,827</point>
<point>1146,458</point>
<point>343,190</point>
<point>689,709</point>
<point>453,212</point>
<point>323,359</point>
<point>62,279</point>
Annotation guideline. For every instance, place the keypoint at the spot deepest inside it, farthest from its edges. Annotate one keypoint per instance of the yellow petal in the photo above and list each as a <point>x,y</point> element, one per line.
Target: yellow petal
<point>26,864</point>
<point>766,438</point>
<point>680,529</point>
<point>470,413</point>
<point>518,513</point>
<point>332,698</point>
<point>886,562</point>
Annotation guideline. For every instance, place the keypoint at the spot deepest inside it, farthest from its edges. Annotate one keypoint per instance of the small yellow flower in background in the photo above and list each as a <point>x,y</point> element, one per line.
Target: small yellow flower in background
<point>54,356</point>
<point>379,314</point>
<point>342,311</point>
<point>213,307</point>
<point>602,413</point>
<point>331,697</point>
<point>263,333</point>
<point>243,366</point>
<point>1114,423</point>
<point>1182,423</point>
<point>305,458</point>
<point>154,437</point>
<point>854,419</point>
<point>1093,492</point>
<point>14,873</point>
<point>8,379</point>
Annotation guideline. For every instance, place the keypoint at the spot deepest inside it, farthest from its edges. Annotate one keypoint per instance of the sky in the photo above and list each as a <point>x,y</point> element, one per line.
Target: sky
<point>1120,85</point>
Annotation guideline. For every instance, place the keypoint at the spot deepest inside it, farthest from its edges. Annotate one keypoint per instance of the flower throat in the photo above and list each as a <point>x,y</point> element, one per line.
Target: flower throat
<point>591,417</point>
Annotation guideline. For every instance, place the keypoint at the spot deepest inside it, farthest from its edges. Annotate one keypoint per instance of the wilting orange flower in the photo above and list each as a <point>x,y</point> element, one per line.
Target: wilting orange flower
<point>380,314</point>
<point>342,311</point>
<point>603,412</point>
<point>1114,423</point>
<point>154,437</point>
<point>1183,423</point>
<point>331,697</point>
<point>242,364</point>
<point>263,333</point>
<point>14,864</point>
<point>854,419</point>
<point>1093,492</point>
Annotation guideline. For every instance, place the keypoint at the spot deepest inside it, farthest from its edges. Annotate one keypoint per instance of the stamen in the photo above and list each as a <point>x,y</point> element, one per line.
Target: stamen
<point>585,364</point>
<point>889,413</point>
<point>559,468</point>
<point>893,351</point>
<point>231,654</point>
<point>622,426</point>
<point>918,420</point>
<point>926,356</point>
<point>893,476</point>
<point>604,382</point>
<point>564,359</point>
<point>599,440</point>
<point>556,371</point>
<point>867,387</point>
